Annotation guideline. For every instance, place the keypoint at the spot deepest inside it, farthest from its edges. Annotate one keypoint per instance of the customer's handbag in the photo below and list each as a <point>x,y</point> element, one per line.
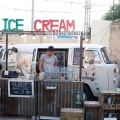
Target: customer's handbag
<point>9,74</point>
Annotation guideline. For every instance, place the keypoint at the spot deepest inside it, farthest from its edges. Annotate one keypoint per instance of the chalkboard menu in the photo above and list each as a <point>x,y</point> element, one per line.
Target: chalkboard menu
<point>76,56</point>
<point>20,88</point>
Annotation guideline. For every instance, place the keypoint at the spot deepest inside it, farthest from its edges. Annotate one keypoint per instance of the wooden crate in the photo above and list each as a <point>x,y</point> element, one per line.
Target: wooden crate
<point>106,114</point>
<point>110,100</point>
<point>92,110</point>
<point>71,114</point>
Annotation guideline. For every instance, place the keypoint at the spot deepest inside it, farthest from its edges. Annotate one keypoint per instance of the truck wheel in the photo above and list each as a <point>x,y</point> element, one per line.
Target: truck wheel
<point>87,93</point>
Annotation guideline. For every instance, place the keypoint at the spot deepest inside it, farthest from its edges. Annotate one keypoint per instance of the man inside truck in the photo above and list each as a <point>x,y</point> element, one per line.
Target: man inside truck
<point>48,61</point>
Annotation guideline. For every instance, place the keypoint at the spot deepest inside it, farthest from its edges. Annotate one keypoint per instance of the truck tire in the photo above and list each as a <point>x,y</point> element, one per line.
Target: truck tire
<point>87,93</point>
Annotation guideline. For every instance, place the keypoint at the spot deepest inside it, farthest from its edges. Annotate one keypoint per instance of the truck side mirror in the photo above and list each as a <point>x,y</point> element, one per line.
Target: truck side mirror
<point>91,61</point>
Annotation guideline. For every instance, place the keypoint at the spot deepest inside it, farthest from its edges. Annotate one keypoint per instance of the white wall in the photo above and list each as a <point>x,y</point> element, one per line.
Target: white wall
<point>100,32</point>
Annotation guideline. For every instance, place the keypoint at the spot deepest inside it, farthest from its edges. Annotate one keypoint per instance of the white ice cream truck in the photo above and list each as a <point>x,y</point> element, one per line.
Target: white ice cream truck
<point>98,72</point>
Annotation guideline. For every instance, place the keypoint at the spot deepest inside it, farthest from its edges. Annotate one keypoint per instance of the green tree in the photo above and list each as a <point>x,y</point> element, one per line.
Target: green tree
<point>113,13</point>
<point>89,33</point>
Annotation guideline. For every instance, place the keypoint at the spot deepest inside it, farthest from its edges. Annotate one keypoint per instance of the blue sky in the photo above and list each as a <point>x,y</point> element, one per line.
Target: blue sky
<point>52,9</point>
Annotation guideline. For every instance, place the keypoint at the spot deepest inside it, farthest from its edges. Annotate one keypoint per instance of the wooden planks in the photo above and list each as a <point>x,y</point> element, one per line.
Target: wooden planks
<point>110,104</point>
<point>46,102</point>
<point>71,114</point>
<point>110,100</point>
<point>8,105</point>
<point>51,101</point>
<point>92,109</point>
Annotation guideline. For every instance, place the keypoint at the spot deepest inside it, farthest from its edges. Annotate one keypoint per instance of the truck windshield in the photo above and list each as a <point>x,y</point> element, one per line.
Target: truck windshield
<point>105,55</point>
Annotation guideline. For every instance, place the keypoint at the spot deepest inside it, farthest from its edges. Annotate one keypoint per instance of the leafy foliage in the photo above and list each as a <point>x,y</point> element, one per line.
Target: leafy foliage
<point>89,33</point>
<point>113,13</point>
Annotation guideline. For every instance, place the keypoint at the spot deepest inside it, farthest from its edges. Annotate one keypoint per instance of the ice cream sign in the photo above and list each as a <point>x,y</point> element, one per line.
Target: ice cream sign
<point>40,25</point>
<point>13,24</point>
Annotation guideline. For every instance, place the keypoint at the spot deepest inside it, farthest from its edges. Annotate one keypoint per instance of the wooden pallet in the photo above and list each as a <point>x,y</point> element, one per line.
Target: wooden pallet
<point>71,114</point>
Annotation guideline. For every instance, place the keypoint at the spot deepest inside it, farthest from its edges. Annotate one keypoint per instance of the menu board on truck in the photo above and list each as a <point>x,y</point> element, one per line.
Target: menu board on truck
<point>76,56</point>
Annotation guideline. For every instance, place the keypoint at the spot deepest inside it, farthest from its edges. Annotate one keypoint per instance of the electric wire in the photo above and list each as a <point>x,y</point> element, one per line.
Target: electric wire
<point>65,1</point>
<point>105,33</point>
<point>101,31</point>
<point>48,11</point>
<point>71,2</point>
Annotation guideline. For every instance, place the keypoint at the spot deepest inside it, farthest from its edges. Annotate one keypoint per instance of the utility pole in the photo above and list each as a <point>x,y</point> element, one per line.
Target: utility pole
<point>113,10</point>
<point>32,16</point>
<point>87,17</point>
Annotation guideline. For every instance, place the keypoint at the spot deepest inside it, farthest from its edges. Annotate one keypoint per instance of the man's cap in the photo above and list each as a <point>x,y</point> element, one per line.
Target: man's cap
<point>51,48</point>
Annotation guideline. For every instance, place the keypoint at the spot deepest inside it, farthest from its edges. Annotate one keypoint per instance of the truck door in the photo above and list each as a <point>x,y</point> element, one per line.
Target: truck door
<point>94,72</point>
<point>112,68</point>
